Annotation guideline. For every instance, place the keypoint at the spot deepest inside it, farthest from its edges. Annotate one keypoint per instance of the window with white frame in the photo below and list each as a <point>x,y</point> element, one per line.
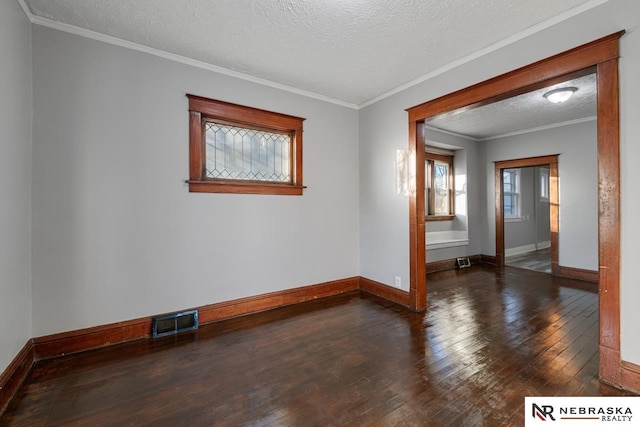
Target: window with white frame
<point>544,184</point>
<point>511,193</point>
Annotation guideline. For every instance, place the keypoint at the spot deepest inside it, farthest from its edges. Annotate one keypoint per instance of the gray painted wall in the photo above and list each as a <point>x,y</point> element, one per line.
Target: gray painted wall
<point>542,209</point>
<point>467,178</point>
<point>117,235</point>
<point>103,243</point>
<point>533,227</point>
<point>523,232</point>
<point>629,155</point>
<point>15,181</point>
<point>578,174</point>
<point>384,216</point>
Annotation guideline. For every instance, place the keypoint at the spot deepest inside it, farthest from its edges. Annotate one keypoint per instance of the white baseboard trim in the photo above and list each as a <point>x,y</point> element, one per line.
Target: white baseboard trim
<point>446,239</point>
<point>526,248</point>
<point>544,245</point>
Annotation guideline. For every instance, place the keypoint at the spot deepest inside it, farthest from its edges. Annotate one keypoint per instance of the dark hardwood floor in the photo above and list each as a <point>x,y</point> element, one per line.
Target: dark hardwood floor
<point>536,260</point>
<point>489,338</point>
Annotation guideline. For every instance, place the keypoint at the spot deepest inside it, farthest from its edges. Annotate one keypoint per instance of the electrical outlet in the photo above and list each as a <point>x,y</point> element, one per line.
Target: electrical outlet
<point>398,282</point>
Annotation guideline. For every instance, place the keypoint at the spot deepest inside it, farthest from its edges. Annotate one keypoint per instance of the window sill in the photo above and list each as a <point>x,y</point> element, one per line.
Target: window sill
<point>439,217</point>
<point>249,187</point>
<point>446,239</point>
<point>513,219</point>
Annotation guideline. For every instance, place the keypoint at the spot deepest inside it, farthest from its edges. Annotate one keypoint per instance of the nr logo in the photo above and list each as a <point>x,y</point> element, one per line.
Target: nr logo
<point>543,412</point>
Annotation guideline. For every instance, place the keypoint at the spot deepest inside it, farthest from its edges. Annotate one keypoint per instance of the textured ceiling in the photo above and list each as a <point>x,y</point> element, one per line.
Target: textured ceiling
<point>348,50</point>
<point>525,112</point>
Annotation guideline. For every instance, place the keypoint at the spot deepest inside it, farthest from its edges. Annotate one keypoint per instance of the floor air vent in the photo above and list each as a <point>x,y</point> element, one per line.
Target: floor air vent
<point>174,323</point>
<point>463,262</point>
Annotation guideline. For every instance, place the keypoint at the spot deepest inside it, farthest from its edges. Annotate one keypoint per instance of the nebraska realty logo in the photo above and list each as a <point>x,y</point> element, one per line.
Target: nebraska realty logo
<point>581,411</point>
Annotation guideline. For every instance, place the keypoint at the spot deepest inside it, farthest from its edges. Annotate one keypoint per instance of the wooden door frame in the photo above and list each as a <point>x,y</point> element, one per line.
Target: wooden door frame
<point>601,55</point>
<point>554,191</point>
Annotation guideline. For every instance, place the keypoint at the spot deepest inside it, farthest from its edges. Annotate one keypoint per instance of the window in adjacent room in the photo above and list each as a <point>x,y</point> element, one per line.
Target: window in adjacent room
<point>439,187</point>
<point>238,149</point>
<point>511,193</point>
<point>544,184</point>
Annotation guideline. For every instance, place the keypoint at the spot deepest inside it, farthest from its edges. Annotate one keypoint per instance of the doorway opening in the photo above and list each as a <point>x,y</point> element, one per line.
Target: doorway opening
<point>603,55</point>
<point>508,206</point>
<point>526,213</point>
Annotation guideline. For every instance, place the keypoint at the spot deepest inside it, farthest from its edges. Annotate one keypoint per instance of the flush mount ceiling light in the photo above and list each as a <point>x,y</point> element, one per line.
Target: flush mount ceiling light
<point>560,95</point>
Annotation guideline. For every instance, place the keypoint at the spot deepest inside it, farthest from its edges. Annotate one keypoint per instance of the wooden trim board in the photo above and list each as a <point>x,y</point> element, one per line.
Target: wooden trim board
<point>384,291</point>
<point>630,376</point>
<point>554,210</point>
<point>254,304</point>
<point>50,346</point>
<point>603,55</point>
<point>488,259</point>
<point>578,274</point>
<point>449,264</point>
<point>15,374</point>
<point>56,345</point>
<point>568,272</point>
<point>60,344</point>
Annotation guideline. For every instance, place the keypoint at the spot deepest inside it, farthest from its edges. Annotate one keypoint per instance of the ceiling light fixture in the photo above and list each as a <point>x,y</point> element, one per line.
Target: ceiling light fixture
<point>560,95</point>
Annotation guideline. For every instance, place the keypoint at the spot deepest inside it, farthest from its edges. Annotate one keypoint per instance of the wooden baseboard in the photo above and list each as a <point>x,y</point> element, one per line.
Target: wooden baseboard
<point>630,376</point>
<point>578,274</point>
<point>15,374</point>
<point>56,345</point>
<point>489,259</point>
<point>243,306</point>
<point>609,365</point>
<point>51,346</point>
<point>384,291</point>
<point>449,264</point>
<point>618,373</point>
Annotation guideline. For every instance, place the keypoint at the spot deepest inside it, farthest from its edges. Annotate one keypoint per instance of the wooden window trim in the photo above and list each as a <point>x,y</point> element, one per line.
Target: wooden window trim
<point>444,158</point>
<point>554,208</point>
<point>439,217</point>
<point>203,109</point>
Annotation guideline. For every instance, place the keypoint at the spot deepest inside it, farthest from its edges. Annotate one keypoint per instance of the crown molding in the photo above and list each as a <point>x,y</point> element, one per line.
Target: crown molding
<point>540,128</point>
<point>489,49</point>
<point>45,22</point>
<point>72,29</point>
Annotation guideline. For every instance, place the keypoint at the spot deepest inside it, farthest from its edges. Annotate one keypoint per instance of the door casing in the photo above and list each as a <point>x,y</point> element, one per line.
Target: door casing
<point>554,191</point>
<point>601,55</point>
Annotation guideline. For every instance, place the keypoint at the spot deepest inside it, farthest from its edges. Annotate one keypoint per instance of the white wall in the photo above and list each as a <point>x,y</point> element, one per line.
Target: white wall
<point>15,181</point>
<point>542,207</point>
<point>117,235</point>
<point>384,214</point>
<point>104,241</point>
<point>467,178</point>
<point>629,157</point>
<point>578,173</point>
<point>384,222</point>
<point>522,232</point>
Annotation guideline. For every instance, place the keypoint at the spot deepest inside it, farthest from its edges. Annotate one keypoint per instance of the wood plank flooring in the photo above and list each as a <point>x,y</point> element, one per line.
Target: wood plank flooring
<point>535,260</point>
<point>489,338</point>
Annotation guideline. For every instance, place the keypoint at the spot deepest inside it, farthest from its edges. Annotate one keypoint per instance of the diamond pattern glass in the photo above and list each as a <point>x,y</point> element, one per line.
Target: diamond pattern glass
<point>247,154</point>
